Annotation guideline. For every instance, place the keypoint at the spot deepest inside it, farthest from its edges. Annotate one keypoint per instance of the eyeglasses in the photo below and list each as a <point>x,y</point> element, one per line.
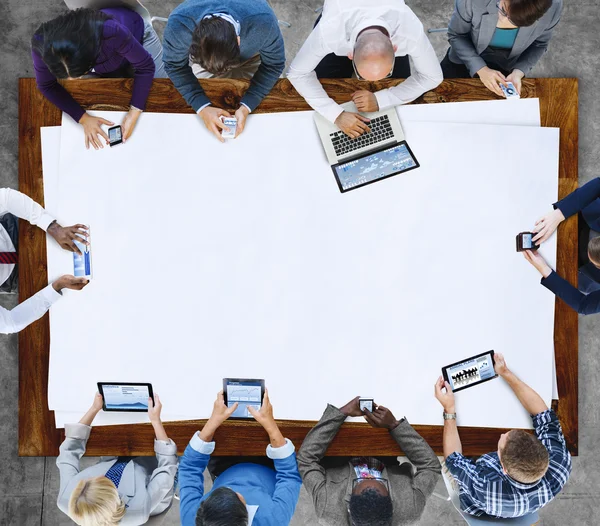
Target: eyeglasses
<point>502,11</point>
<point>389,75</point>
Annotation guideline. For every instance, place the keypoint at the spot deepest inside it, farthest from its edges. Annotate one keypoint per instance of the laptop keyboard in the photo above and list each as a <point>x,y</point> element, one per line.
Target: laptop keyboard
<point>381,130</point>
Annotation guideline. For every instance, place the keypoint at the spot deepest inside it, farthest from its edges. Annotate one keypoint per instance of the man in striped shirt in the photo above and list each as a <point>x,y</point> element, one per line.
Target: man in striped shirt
<point>524,474</point>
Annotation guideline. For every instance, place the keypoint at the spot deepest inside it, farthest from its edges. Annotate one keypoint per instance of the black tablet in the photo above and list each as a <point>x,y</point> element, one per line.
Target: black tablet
<point>374,166</point>
<point>125,396</point>
<point>246,392</point>
<point>470,372</point>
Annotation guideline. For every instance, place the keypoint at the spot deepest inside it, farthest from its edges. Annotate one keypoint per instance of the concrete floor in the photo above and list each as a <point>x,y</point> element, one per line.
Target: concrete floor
<point>28,486</point>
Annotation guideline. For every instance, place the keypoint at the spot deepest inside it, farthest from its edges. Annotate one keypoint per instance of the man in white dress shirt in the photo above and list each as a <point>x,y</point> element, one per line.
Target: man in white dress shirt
<point>19,205</point>
<point>371,39</point>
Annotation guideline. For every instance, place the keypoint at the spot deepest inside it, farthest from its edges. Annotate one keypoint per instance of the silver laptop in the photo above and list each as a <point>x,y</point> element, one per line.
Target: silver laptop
<point>376,155</point>
<point>385,130</point>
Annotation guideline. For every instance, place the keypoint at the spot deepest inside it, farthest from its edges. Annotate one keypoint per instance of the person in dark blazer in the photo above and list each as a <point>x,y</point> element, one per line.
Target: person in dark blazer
<point>499,40</point>
<point>367,491</point>
<point>586,202</point>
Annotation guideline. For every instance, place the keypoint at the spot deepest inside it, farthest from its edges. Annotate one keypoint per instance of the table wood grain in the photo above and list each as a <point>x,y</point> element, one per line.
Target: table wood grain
<point>37,433</point>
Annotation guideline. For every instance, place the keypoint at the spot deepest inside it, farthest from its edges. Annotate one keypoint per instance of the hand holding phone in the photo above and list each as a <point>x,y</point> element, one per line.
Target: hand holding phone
<point>366,403</point>
<point>525,241</point>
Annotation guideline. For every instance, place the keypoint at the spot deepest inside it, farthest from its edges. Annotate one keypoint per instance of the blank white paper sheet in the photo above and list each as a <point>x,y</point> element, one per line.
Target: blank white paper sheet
<point>245,260</point>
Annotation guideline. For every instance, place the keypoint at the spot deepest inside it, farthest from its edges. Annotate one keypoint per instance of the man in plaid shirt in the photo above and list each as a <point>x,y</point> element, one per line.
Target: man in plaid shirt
<point>524,474</point>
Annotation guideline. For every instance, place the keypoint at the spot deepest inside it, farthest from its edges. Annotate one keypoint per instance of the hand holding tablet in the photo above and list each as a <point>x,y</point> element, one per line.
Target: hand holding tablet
<point>120,396</point>
<point>246,393</point>
<point>470,372</point>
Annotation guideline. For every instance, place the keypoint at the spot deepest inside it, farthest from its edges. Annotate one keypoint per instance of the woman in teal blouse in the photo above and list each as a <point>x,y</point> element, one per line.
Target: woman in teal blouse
<point>499,40</point>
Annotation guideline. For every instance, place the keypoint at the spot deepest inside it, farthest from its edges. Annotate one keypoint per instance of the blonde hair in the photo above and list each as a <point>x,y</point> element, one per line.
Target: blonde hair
<point>96,502</point>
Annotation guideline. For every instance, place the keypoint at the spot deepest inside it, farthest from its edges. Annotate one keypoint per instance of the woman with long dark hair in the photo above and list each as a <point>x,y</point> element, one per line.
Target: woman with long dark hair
<point>113,42</point>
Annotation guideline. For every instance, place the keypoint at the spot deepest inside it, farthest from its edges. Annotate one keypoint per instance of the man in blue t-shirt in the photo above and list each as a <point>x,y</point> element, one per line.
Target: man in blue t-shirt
<point>245,494</point>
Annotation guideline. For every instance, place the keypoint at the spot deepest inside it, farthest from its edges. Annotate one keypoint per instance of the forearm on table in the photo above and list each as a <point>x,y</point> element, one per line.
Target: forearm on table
<point>159,431</point>
<point>531,401</point>
<point>276,438</point>
<point>452,443</point>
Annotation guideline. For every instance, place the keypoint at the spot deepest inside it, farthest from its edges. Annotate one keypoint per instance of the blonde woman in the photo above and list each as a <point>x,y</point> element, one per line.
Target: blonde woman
<point>122,490</point>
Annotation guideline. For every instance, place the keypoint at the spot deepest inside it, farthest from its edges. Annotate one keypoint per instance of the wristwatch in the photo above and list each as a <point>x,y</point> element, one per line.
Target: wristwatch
<point>449,416</point>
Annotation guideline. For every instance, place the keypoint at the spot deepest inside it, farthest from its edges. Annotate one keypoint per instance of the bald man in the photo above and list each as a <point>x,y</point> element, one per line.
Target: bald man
<point>371,40</point>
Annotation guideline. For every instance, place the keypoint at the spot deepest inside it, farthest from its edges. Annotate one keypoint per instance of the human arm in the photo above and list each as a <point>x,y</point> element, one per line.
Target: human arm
<point>195,459</point>
<point>303,77</point>
<point>582,303</point>
<point>530,400</point>
<point>313,449</point>
<point>32,309</point>
<point>426,72</point>
<point>176,52</point>
<point>52,90</point>
<point>160,487</point>
<point>22,206</point>
<point>459,36</point>
<point>73,447</point>
<point>577,200</point>
<point>536,50</point>
<point>451,438</point>
<point>272,59</point>
<point>287,481</point>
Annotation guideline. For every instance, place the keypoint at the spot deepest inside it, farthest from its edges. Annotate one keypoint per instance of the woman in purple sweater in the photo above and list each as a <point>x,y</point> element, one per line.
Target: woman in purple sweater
<point>113,42</point>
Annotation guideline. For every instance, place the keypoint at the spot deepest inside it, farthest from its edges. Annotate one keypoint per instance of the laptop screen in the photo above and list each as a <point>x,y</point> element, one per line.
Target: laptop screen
<point>374,166</point>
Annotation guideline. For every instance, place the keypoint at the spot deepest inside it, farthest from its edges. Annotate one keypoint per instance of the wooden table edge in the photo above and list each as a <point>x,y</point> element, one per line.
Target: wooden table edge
<point>37,434</point>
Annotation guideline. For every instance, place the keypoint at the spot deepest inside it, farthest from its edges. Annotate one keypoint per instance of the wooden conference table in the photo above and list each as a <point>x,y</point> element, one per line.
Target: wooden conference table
<point>38,435</point>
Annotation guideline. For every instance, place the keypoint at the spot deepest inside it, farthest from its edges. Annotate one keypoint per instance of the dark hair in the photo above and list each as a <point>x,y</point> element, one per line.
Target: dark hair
<point>69,45</point>
<point>523,13</point>
<point>370,508</point>
<point>594,250</point>
<point>524,457</point>
<point>222,508</point>
<point>215,46</point>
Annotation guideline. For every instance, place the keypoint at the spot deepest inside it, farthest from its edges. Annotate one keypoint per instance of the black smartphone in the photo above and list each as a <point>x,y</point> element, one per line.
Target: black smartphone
<point>525,241</point>
<point>115,135</point>
<point>125,396</point>
<point>245,392</point>
<point>470,372</point>
<point>366,403</point>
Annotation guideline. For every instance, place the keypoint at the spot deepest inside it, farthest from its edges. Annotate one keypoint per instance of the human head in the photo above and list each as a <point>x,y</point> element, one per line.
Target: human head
<point>370,504</point>
<point>374,54</point>
<point>594,251</point>
<point>523,13</point>
<point>523,457</point>
<point>223,507</point>
<point>215,46</point>
<point>96,502</point>
<point>69,45</point>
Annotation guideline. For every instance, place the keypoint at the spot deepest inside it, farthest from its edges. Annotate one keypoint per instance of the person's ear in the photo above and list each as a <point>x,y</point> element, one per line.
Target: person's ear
<point>351,55</point>
<point>238,39</point>
<point>395,48</point>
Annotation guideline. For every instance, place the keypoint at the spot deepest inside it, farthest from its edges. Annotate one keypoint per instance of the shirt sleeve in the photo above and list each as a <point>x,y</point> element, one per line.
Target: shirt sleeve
<point>549,432</point>
<point>24,207</point>
<point>176,53</point>
<point>577,200</point>
<point>467,476</point>
<point>303,77</point>
<point>53,91</point>
<point>125,45</point>
<point>287,482</point>
<point>191,477</point>
<point>459,36</point>
<point>582,303</point>
<point>32,309</point>
<point>160,488</point>
<point>272,60</point>
<point>70,452</point>
<point>426,73</point>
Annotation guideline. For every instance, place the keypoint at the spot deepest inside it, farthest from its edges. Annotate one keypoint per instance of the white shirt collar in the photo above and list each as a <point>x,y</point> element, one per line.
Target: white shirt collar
<point>251,513</point>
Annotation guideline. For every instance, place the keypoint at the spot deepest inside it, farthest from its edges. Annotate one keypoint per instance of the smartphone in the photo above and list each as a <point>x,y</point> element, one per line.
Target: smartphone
<point>366,403</point>
<point>525,241</point>
<point>115,135</point>
<point>231,123</point>
<point>510,92</point>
